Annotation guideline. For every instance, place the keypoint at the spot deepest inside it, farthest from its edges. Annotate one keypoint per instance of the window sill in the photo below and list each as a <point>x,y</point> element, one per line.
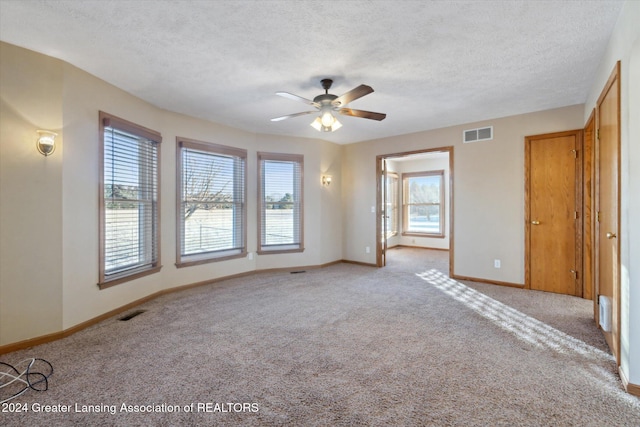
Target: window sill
<point>189,263</point>
<point>433,236</point>
<point>133,276</point>
<point>278,251</point>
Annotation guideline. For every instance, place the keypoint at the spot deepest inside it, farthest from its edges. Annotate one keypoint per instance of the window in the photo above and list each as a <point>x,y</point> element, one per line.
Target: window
<point>280,198</point>
<point>211,202</point>
<point>391,208</point>
<point>423,203</point>
<point>129,201</point>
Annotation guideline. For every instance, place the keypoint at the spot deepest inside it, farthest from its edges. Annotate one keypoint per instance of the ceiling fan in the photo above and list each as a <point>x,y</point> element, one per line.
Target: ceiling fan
<point>329,104</point>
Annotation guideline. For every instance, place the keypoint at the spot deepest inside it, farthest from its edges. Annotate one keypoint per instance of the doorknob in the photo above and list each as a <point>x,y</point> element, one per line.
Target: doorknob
<point>611,235</point>
<point>535,222</point>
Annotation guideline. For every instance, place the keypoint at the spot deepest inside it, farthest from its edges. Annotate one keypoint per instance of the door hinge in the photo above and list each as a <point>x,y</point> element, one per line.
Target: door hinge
<point>598,216</point>
<point>598,133</point>
<point>575,215</point>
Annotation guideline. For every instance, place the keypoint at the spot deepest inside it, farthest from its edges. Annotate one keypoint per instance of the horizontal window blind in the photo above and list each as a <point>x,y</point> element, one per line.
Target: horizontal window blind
<point>212,202</point>
<point>130,229</point>
<point>280,202</point>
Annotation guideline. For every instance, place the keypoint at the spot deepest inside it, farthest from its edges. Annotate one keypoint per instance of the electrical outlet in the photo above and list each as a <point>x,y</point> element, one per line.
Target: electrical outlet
<point>367,249</point>
<point>373,209</point>
<point>496,263</point>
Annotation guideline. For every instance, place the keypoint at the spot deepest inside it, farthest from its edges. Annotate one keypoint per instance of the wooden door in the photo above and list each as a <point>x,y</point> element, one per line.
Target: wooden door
<point>607,204</point>
<point>553,180</point>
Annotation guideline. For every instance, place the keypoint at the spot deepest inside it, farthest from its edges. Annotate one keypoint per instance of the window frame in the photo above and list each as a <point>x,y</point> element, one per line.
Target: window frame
<point>220,150</point>
<point>286,248</point>
<point>407,206</point>
<point>106,280</point>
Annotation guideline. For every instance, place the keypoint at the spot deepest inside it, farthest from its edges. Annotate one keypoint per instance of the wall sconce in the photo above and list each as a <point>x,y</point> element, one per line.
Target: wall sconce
<point>46,142</point>
<point>326,180</point>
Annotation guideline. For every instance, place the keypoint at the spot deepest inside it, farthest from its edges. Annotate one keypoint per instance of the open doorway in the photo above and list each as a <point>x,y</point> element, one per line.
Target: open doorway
<point>414,201</point>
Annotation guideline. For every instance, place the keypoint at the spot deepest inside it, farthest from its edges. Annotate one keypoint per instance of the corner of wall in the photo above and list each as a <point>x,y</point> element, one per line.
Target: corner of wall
<point>31,196</point>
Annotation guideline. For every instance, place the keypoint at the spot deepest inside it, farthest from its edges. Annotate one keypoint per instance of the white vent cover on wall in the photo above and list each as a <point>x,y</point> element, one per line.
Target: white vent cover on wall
<point>605,313</point>
<point>475,135</point>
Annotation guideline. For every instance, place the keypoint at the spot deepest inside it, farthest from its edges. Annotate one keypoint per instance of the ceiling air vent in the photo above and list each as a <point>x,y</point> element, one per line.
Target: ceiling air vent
<point>475,135</point>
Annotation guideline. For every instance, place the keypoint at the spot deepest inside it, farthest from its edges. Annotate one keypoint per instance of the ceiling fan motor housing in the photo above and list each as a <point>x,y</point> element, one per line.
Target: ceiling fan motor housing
<point>325,98</point>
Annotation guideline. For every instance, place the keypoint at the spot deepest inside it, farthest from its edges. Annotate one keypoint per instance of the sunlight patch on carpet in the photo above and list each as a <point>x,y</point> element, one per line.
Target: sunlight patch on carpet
<point>533,332</point>
<point>524,327</point>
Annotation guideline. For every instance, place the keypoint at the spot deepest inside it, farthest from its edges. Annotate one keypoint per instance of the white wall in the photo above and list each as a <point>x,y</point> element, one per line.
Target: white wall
<point>30,197</point>
<point>49,206</point>
<point>631,259</point>
<point>624,46</point>
<point>488,190</point>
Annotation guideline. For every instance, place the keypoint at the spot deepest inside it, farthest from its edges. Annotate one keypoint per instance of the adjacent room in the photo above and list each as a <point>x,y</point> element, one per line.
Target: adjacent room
<point>319,213</point>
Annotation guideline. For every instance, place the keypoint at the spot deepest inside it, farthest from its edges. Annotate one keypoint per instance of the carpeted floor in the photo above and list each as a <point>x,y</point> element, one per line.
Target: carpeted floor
<point>344,345</point>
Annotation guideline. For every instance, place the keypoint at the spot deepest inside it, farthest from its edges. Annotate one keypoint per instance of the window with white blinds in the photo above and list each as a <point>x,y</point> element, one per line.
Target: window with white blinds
<point>211,202</point>
<point>129,217</point>
<point>281,203</point>
<point>423,203</point>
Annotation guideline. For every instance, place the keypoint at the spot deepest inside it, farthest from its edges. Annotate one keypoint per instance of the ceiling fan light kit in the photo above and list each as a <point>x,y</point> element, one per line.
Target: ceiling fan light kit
<point>327,123</point>
<point>328,104</point>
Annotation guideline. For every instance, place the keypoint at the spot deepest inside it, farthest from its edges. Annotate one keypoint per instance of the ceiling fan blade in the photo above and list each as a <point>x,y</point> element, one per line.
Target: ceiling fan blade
<point>298,98</point>
<point>352,95</point>
<point>288,116</point>
<point>361,113</point>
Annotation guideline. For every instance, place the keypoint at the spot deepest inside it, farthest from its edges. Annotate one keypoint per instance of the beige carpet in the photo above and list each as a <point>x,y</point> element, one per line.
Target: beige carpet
<point>344,345</point>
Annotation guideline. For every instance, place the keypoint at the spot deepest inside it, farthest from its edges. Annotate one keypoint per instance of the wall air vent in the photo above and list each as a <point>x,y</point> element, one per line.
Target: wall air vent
<point>475,135</point>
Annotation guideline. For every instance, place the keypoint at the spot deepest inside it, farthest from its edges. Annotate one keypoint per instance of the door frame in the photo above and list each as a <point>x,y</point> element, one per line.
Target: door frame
<point>528,140</point>
<point>384,216</point>
<point>613,80</point>
<point>588,206</point>
<point>380,261</point>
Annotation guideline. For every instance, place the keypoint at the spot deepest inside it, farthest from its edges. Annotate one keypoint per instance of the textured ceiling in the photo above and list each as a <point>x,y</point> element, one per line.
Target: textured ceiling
<point>431,63</point>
